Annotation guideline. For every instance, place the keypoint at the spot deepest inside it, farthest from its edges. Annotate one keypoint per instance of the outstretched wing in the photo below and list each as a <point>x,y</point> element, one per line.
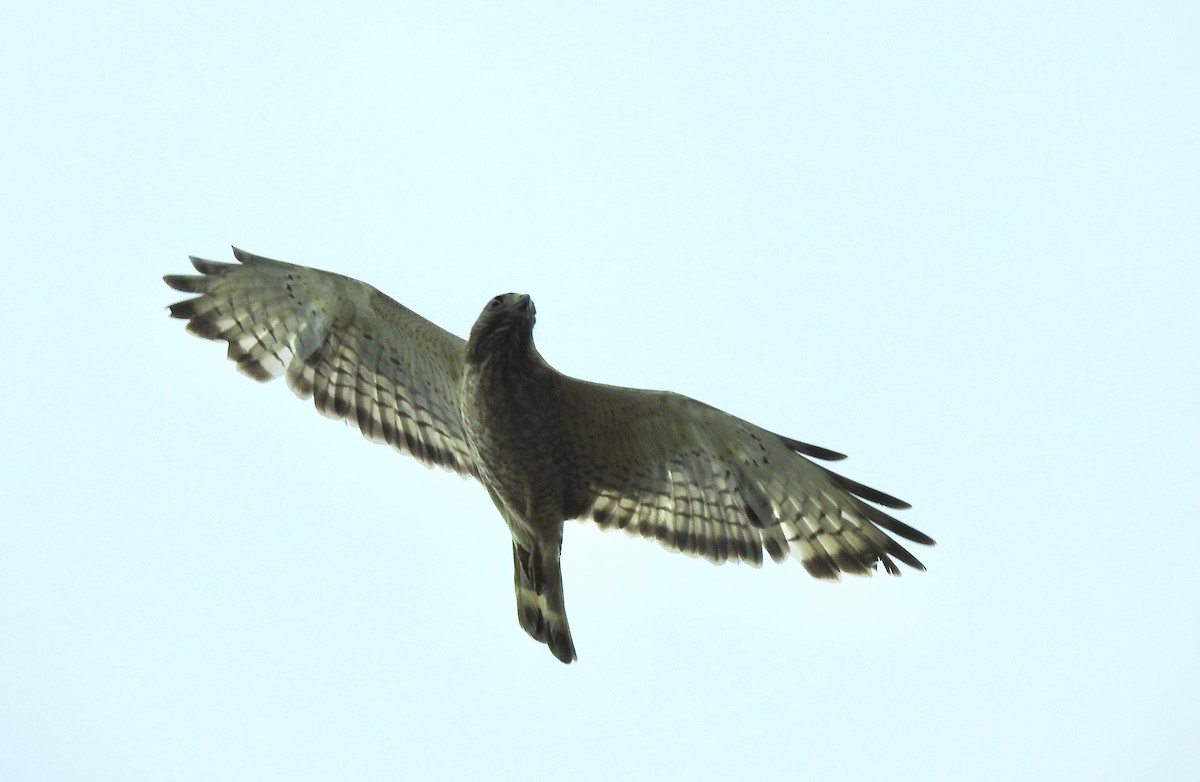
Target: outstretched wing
<point>360,355</point>
<point>709,484</point>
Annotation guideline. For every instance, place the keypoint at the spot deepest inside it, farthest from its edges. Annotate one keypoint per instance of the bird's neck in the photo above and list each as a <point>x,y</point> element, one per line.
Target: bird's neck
<point>503,352</point>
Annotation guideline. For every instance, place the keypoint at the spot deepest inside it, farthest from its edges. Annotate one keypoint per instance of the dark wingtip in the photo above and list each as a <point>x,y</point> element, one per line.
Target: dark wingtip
<point>184,310</point>
<point>815,451</point>
<point>902,554</point>
<point>250,258</point>
<point>892,524</point>
<point>866,492</point>
<point>180,282</point>
<point>210,268</point>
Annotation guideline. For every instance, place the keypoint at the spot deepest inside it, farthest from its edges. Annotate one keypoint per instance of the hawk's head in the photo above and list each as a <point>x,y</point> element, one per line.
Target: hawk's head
<point>505,327</point>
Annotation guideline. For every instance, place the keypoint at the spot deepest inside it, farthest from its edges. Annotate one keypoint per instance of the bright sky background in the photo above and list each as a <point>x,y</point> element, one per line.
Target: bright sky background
<point>956,241</point>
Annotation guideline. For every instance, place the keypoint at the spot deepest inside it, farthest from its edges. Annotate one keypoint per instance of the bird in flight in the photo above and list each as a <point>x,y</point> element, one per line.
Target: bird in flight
<point>547,447</point>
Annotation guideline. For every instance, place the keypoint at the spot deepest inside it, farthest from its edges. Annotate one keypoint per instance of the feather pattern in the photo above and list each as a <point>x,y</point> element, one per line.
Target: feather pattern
<point>547,447</point>
<point>712,485</point>
<point>358,354</point>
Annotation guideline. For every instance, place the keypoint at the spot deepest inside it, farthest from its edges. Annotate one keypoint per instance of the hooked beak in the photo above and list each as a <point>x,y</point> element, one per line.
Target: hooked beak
<point>525,303</point>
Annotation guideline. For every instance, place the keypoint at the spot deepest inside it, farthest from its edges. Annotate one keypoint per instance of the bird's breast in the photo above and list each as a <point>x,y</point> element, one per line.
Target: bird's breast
<point>511,420</point>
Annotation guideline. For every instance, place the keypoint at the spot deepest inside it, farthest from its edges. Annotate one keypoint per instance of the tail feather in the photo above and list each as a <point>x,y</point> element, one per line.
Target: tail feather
<point>538,583</point>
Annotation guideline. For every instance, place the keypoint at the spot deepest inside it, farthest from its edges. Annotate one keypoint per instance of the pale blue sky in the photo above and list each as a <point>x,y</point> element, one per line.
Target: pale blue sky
<point>956,241</point>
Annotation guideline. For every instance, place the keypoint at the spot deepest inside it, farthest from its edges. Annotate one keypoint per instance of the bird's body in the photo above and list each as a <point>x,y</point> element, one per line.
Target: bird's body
<point>512,402</point>
<point>547,447</point>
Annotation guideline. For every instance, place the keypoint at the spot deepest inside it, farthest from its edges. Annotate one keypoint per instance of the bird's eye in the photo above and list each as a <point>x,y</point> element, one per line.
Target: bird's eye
<point>495,302</point>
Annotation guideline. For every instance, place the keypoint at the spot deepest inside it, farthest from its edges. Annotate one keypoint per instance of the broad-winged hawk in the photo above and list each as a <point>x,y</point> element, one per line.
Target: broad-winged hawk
<point>547,447</point>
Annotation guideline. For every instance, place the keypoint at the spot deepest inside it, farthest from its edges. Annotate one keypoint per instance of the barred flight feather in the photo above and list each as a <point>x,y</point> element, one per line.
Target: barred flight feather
<point>306,325</point>
<point>746,492</point>
<point>546,447</point>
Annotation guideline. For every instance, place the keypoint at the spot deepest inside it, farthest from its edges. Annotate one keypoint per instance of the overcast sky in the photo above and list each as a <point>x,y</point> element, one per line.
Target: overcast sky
<point>955,241</point>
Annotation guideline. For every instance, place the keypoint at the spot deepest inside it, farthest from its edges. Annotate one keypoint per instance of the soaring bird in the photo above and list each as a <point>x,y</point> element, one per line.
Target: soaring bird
<point>547,447</point>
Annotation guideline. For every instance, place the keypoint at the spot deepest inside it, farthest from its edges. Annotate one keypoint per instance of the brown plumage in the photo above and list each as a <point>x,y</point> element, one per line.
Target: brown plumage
<point>546,446</point>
